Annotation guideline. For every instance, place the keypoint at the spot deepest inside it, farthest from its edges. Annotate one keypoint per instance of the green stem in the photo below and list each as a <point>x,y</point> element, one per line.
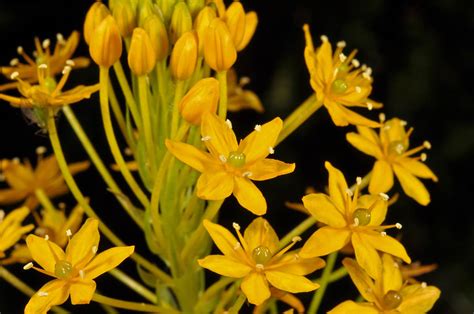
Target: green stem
<point>298,230</point>
<point>119,117</point>
<point>133,284</point>
<point>222,78</point>
<point>238,304</point>
<point>318,296</point>
<point>133,306</point>
<point>146,119</point>
<point>178,94</point>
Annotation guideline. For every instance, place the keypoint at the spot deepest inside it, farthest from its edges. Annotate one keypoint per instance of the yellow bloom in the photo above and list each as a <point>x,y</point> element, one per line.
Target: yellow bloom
<point>55,60</point>
<point>73,270</point>
<point>351,218</point>
<point>255,258</point>
<point>219,50</point>
<point>387,294</point>
<point>11,229</point>
<point>339,81</point>
<point>23,180</point>
<point>390,148</point>
<point>200,98</point>
<point>239,98</point>
<point>229,168</point>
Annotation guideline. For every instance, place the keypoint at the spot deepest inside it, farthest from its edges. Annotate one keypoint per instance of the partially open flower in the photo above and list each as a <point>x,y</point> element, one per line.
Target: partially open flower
<point>219,50</point>
<point>201,98</point>
<point>202,21</point>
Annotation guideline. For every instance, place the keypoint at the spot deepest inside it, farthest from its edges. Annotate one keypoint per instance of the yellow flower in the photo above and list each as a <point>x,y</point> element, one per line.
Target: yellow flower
<point>229,168</point>
<point>23,180</point>
<point>219,50</point>
<point>387,294</point>
<point>239,98</point>
<point>202,97</point>
<point>11,229</point>
<point>55,60</point>
<point>390,148</point>
<point>351,218</point>
<point>255,258</point>
<point>184,56</point>
<point>339,81</point>
<point>73,270</point>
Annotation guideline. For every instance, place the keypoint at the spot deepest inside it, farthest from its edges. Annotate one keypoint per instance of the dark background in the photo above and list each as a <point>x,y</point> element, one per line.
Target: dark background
<point>422,69</point>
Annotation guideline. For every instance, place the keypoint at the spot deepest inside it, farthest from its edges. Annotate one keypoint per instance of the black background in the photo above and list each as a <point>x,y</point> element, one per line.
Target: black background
<point>419,51</point>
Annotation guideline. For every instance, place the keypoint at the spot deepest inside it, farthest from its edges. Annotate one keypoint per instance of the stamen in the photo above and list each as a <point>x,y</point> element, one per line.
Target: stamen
<point>395,264</point>
<point>82,274</point>
<point>358,89</point>
<point>342,57</point>
<point>403,123</point>
<point>43,66</point>
<point>384,196</point>
<point>42,293</point>
<point>296,256</point>
<point>70,62</point>
<point>28,266</point>
<point>14,75</point>
<point>424,285</point>
<point>382,117</point>
<point>356,221</point>
<point>68,232</point>
<point>423,157</point>
<point>223,159</point>
<point>247,174</point>
<point>427,144</point>
<point>62,205</point>
<point>66,70</point>
<point>237,246</point>
<point>324,38</point>
<point>60,39</point>
<point>341,44</point>
<point>366,76</point>
<point>383,234</point>
<point>94,249</point>
<point>46,43</point>
<point>398,225</point>
<point>127,151</point>
<point>355,63</point>
<point>370,106</point>
<point>359,180</point>
<point>205,138</point>
<point>46,237</point>
<point>19,50</point>
<point>14,62</point>
<point>258,128</point>
<point>259,266</point>
<point>296,239</point>
<point>40,150</point>
<point>236,226</point>
<point>2,215</point>
<point>364,67</point>
<point>349,192</point>
<point>229,124</point>
<point>271,150</point>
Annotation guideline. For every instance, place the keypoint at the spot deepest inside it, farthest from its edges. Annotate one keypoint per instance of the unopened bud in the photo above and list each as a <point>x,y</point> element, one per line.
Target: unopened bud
<point>181,21</point>
<point>202,97</point>
<point>201,23</point>
<point>184,56</point>
<point>96,14</point>
<point>141,55</point>
<point>166,8</point>
<point>124,14</point>
<point>158,35</point>
<point>195,6</point>
<point>219,49</point>
<point>106,44</point>
<point>235,20</point>
<point>145,9</point>
<point>251,21</point>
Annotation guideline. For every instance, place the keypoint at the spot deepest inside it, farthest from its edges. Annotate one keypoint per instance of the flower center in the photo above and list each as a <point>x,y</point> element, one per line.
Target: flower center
<point>397,147</point>
<point>62,269</point>
<point>339,86</point>
<point>261,254</point>
<point>361,216</point>
<point>50,84</point>
<point>236,159</point>
<point>392,299</point>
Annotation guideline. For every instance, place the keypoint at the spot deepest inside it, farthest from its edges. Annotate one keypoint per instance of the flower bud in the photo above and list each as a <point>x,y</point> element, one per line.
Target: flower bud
<point>158,36</point>
<point>124,14</point>
<point>201,23</point>
<point>251,21</point>
<point>184,56</point>
<point>145,9</point>
<point>219,49</point>
<point>235,20</point>
<point>96,14</point>
<point>181,21</point>
<point>195,6</point>
<point>106,44</point>
<point>202,97</point>
<point>141,55</point>
<point>166,7</point>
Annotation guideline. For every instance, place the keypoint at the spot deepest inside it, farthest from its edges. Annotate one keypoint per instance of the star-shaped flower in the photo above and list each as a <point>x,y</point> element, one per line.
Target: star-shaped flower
<point>387,293</point>
<point>255,258</point>
<point>238,97</point>
<point>11,228</point>
<point>229,168</point>
<point>339,81</point>
<point>351,218</point>
<point>73,270</point>
<point>391,149</point>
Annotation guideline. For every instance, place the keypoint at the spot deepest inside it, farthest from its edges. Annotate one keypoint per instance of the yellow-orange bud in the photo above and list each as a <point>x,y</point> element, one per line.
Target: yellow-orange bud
<point>195,6</point>
<point>235,20</point>
<point>106,44</point>
<point>166,7</point>
<point>145,9</point>
<point>201,23</point>
<point>219,49</point>
<point>124,14</point>
<point>251,21</point>
<point>96,14</point>
<point>184,56</point>
<point>181,21</point>
<point>141,56</point>
<point>158,36</point>
<point>202,97</point>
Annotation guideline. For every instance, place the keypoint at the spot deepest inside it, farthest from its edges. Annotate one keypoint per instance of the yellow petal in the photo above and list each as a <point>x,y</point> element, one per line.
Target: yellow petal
<point>17,175</point>
<point>249,196</point>
<point>366,255</point>
<point>386,244</point>
<point>12,235</point>
<point>107,260</point>
<point>11,196</point>
<point>323,209</point>
<point>324,241</point>
<point>391,276</point>
<point>53,293</point>
<point>337,187</point>
<point>74,95</point>
<point>417,299</point>
<point>255,288</point>
<point>44,252</point>
<point>417,168</point>
<point>267,168</point>
<point>82,291</point>
<point>215,185</point>
<point>369,134</point>
<point>251,21</point>
<point>261,233</point>
<point>222,139</point>
<point>342,116</point>
<point>350,307</point>
<point>379,208</point>
<point>224,240</point>
<point>361,280</point>
<point>411,185</point>
<point>298,266</point>
<point>190,155</point>
<point>324,65</point>
<point>257,144</point>
<point>364,145</point>
<point>84,243</point>
<point>381,179</point>
<point>289,282</point>
<point>225,266</point>
<point>15,217</point>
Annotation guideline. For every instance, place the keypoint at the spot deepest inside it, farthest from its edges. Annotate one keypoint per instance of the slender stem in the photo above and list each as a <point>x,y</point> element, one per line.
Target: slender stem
<point>222,78</point>
<point>213,290</point>
<point>76,192</point>
<point>298,230</point>
<point>238,304</point>
<point>338,274</point>
<point>112,140</point>
<point>23,287</point>
<point>146,119</point>
<point>133,284</point>
<point>119,117</point>
<point>178,94</point>
<point>97,161</point>
<point>318,296</point>
<point>44,200</point>
<point>132,104</point>
<point>133,306</point>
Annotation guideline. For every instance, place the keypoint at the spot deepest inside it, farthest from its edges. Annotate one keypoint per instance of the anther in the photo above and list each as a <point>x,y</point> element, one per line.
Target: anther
<point>236,226</point>
<point>62,205</point>
<point>237,245</point>
<point>395,264</point>
<point>358,89</point>
<point>229,124</point>
<point>324,38</point>
<point>382,117</point>
<point>82,274</point>
<point>368,71</point>
<point>14,75</point>
<point>247,174</point>
<point>271,150</point>
<point>60,38</point>
<point>28,266</point>
<point>68,232</point>
<point>2,214</point>
<point>259,266</point>
<point>296,239</point>
<point>370,106</point>
<point>46,237</point>
<point>14,62</point>
<point>349,192</point>
<point>205,138</point>
<point>355,63</point>
<point>43,66</point>
<point>66,70</point>
<point>398,225</point>
<point>356,221</point>
<point>384,196</point>
<point>42,293</point>
<point>342,57</point>
<point>46,43</point>
<point>403,123</point>
<point>359,180</point>
<point>258,128</point>
<point>223,159</point>
<point>424,285</point>
<point>127,151</point>
<point>427,144</point>
<point>19,50</point>
<point>40,150</point>
<point>70,62</point>
<point>366,75</point>
<point>383,233</point>
<point>296,256</point>
<point>94,249</point>
<point>341,44</point>
<point>423,157</point>
<point>364,67</point>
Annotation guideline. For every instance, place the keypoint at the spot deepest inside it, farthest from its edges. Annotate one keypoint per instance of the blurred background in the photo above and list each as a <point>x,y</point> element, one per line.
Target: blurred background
<point>422,68</point>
